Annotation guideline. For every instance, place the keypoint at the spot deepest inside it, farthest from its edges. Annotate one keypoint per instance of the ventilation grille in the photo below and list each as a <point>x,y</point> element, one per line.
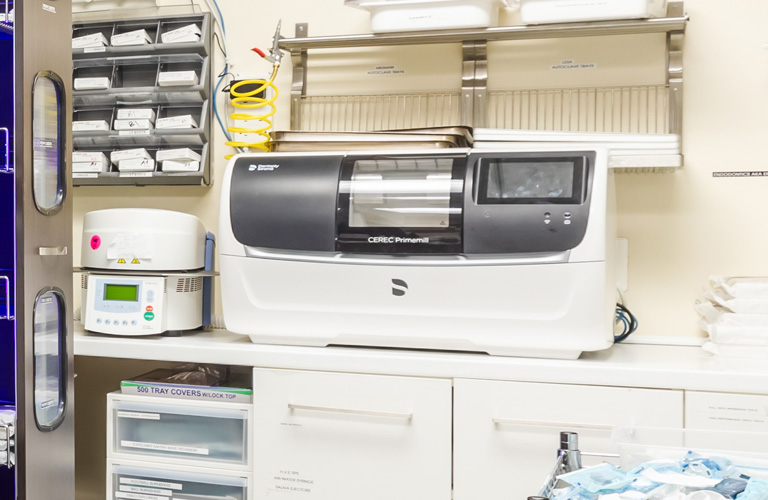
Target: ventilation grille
<point>361,113</point>
<point>84,281</point>
<point>641,110</point>
<point>189,285</point>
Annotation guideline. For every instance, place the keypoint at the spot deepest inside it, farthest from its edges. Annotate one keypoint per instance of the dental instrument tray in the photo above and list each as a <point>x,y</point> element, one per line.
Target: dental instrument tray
<point>427,138</point>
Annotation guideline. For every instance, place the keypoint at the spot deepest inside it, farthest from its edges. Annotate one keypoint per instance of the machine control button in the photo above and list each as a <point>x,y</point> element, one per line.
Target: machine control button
<point>150,308</point>
<point>107,322</point>
<point>547,218</point>
<point>125,323</point>
<point>567,215</point>
<point>98,321</point>
<point>149,316</point>
<point>133,322</point>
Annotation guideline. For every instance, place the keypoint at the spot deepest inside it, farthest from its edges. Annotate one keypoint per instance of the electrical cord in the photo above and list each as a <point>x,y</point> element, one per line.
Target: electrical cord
<point>627,320</point>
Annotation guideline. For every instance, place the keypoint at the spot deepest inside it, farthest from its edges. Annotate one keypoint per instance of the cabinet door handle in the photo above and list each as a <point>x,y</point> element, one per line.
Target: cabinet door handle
<point>53,250</point>
<point>536,423</point>
<point>351,411</point>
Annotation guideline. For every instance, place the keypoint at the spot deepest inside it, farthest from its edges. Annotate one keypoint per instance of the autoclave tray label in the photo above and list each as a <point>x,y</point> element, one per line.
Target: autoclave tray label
<point>139,496</point>
<point>141,415</point>
<point>153,484</point>
<point>146,490</point>
<point>164,447</point>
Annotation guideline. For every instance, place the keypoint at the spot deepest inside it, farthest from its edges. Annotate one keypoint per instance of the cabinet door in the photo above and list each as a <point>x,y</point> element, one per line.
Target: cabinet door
<point>334,436</point>
<point>506,434</point>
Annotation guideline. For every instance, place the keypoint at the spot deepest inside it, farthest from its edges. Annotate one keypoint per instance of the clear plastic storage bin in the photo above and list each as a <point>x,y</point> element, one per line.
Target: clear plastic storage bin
<point>415,15</point>
<point>562,11</point>
<point>134,480</point>
<point>747,450</point>
<point>178,431</point>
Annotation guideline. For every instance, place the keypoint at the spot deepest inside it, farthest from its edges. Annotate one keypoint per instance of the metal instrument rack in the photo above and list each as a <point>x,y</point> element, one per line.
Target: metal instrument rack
<point>653,109</point>
<point>568,460</point>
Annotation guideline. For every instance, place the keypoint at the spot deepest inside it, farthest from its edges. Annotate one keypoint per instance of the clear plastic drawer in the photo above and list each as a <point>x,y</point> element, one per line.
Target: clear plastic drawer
<point>134,480</point>
<point>178,431</point>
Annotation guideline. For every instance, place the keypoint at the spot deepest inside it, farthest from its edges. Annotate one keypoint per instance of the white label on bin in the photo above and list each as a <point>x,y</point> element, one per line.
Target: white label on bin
<point>146,490</point>
<point>570,64</point>
<point>139,496</point>
<point>154,484</point>
<point>80,175</point>
<point>134,414</point>
<point>135,174</point>
<point>164,447</point>
<point>134,132</point>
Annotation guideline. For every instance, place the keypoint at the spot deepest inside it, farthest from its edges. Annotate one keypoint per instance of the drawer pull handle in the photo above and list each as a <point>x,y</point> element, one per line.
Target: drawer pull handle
<point>52,250</point>
<point>349,411</point>
<point>565,425</point>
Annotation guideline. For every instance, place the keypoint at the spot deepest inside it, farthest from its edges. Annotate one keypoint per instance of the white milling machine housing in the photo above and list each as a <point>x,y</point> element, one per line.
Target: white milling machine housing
<point>294,271</point>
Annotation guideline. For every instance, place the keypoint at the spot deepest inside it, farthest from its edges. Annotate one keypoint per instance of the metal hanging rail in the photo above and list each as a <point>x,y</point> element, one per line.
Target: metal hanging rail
<point>630,27</point>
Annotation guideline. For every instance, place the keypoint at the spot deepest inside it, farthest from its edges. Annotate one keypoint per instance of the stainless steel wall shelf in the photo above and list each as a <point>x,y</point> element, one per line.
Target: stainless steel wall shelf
<point>660,106</point>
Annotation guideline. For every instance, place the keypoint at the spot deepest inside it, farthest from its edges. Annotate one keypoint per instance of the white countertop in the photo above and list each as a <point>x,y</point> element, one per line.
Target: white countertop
<point>624,365</point>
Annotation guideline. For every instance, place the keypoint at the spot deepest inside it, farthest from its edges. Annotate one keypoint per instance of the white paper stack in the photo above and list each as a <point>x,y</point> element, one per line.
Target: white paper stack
<point>177,78</point>
<point>89,161</point>
<point>734,313</point>
<point>136,37</point>
<point>181,121</point>
<point>90,41</point>
<point>97,83</point>
<point>178,160</point>
<point>134,121</point>
<point>189,33</point>
<point>133,160</point>
<point>90,126</point>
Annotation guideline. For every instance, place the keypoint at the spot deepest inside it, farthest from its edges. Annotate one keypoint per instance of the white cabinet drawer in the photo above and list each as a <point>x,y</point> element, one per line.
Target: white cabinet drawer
<point>335,436</point>
<point>178,431</point>
<point>127,480</point>
<point>728,412</point>
<point>506,434</point>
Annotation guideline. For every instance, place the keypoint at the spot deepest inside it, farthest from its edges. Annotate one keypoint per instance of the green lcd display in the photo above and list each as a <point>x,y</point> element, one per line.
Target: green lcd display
<point>128,293</point>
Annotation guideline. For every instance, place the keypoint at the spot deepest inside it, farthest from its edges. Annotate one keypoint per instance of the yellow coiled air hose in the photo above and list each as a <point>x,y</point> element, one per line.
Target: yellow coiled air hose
<point>250,102</point>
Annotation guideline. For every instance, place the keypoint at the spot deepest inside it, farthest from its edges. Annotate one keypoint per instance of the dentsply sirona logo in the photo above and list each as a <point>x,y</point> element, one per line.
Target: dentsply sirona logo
<point>399,287</point>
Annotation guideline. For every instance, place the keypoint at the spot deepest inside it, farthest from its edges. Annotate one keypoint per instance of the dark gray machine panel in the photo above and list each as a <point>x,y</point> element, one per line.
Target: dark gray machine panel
<point>285,203</point>
<point>526,202</point>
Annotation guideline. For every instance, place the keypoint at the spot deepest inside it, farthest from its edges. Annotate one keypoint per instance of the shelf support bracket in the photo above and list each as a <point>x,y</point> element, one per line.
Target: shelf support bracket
<point>675,71</point>
<point>299,83</point>
<point>474,84</point>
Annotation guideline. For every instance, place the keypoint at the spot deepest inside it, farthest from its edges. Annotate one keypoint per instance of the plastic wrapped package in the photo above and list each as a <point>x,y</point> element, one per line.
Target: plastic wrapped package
<point>734,313</point>
<point>741,287</point>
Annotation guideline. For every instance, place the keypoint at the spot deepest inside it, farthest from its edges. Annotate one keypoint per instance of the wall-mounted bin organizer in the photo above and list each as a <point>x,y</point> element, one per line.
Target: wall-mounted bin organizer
<point>632,108</point>
<point>127,479</point>
<point>163,70</point>
<point>183,432</point>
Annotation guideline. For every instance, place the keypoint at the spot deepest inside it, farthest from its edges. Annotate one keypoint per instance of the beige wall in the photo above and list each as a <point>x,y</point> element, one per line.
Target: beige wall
<point>681,226</point>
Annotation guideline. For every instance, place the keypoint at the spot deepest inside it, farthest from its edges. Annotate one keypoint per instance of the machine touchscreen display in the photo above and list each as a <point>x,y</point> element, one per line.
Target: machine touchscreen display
<point>128,293</point>
<point>513,181</point>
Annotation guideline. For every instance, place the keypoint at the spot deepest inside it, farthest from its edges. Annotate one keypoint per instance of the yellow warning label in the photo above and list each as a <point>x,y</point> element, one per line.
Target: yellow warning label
<point>121,261</point>
<point>135,261</point>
